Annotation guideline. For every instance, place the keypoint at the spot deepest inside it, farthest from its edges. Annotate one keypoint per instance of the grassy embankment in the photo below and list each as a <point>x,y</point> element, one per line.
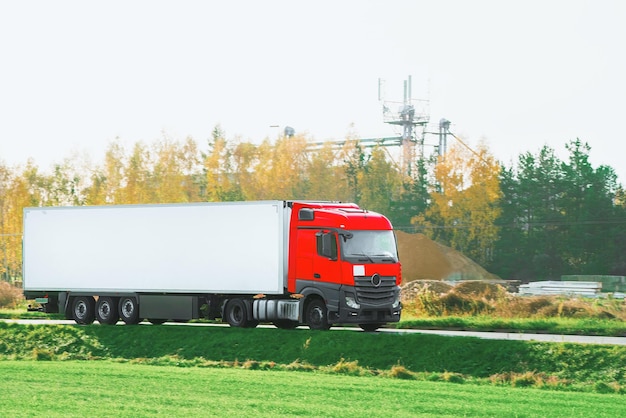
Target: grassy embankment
<point>562,366</point>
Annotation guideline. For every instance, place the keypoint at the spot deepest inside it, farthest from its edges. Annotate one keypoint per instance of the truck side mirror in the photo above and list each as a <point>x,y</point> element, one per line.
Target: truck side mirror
<point>327,245</point>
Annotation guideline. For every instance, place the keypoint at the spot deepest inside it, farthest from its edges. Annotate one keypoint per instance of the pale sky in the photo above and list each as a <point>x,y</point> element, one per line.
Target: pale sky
<point>74,75</point>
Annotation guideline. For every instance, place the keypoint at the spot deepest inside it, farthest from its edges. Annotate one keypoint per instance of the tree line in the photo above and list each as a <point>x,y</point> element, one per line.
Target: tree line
<point>536,219</point>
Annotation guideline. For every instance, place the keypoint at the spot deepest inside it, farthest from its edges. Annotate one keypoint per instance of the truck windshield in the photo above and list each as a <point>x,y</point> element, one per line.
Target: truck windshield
<point>372,246</point>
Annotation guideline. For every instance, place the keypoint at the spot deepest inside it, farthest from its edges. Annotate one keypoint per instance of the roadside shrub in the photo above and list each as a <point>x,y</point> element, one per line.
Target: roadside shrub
<point>400,372</point>
<point>452,377</point>
<point>613,387</point>
<point>350,368</point>
<point>571,308</point>
<point>457,303</point>
<point>300,366</point>
<point>10,296</point>
<point>531,306</point>
<point>429,303</point>
<point>481,289</point>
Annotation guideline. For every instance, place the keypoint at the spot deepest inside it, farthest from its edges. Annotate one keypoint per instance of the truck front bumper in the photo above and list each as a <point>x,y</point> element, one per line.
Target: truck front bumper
<point>352,311</point>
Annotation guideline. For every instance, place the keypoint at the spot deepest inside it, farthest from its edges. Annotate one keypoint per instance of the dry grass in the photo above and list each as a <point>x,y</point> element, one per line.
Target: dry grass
<point>10,296</point>
<point>473,298</point>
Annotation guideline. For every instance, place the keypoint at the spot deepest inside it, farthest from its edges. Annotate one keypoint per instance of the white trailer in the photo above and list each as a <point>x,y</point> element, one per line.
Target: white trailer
<point>152,250</point>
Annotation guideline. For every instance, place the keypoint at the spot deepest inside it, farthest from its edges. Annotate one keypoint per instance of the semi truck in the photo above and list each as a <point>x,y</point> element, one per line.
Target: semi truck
<point>288,263</point>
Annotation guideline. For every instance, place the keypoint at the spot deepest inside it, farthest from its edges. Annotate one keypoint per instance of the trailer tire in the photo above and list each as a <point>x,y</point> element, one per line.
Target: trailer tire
<point>236,314</point>
<point>317,315</point>
<point>83,310</point>
<point>107,312</point>
<point>157,321</point>
<point>129,310</point>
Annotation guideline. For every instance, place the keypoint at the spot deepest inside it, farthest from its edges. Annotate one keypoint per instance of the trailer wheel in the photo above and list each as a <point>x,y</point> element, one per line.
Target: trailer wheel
<point>157,321</point>
<point>129,310</point>
<point>237,314</point>
<point>83,311</point>
<point>317,315</point>
<point>106,310</point>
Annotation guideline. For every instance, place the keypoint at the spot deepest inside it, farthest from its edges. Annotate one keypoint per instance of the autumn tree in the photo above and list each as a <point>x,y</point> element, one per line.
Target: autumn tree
<point>135,186</point>
<point>19,188</point>
<point>168,172</point>
<point>244,160</point>
<point>324,175</point>
<point>465,206</point>
<point>107,182</point>
<point>220,182</point>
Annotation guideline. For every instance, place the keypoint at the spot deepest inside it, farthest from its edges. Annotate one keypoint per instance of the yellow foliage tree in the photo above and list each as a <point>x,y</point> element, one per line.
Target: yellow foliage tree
<point>464,207</point>
<point>17,191</point>
<point>324,175</point>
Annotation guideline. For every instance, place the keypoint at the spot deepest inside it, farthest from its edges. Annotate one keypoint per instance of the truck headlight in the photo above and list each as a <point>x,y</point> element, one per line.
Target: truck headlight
<point>351,302</point>
<point>396,303</point>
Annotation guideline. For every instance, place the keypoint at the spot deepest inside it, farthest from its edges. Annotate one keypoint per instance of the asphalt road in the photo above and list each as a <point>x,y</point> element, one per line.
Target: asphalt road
<point>581,339</point>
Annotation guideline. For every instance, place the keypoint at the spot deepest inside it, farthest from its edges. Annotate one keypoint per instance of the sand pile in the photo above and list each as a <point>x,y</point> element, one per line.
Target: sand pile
<point>425,259</point>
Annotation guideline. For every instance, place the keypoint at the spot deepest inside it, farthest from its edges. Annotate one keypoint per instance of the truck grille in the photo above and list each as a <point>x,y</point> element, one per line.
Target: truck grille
<point>368,293</point>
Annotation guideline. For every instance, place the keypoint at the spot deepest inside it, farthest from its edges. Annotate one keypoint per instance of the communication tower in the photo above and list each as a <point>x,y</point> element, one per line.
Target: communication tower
<point>412,116</point>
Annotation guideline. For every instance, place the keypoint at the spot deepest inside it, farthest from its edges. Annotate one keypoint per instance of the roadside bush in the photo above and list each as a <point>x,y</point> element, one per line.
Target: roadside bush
<point>429,303</point>
<point>475,298</point>
<point>480,289</point>
<point>350,368</point>
<point>398,371</point>
<point>458,303</point>
<point>10,296</point>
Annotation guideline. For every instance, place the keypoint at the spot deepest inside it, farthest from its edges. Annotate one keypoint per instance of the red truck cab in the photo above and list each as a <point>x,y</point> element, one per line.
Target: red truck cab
<point>344,261</point>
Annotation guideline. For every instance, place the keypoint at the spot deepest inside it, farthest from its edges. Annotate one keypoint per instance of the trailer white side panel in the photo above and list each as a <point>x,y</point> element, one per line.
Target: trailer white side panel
<point>214,248</point>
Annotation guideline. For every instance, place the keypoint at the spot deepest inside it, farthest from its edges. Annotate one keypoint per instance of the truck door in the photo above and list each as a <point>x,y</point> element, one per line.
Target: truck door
<point>326,265</point>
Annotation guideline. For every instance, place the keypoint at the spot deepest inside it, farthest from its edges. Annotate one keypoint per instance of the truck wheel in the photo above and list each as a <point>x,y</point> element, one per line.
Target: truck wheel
<point>83,311</point>
<point>106,311</point>
<point>370,327</point>
<point>317,315</point>
<point>129,310</point>
<point>237,314</point>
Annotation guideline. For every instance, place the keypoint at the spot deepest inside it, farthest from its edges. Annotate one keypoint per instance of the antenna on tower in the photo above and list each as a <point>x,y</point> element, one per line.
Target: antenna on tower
<point>410,115</point>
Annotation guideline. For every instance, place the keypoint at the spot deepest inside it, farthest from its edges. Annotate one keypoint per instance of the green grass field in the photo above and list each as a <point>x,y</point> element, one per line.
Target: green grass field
<point>105,388</point>
<point>554,366</point>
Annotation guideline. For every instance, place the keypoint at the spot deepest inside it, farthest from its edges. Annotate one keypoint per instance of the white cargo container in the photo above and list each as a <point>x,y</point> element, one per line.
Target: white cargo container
<point>232,248</point>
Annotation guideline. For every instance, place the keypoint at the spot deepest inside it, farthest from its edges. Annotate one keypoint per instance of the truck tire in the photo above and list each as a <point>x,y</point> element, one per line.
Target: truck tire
<point>83,310</point>
<point>317,315</point>
<point>236,314</point>
<point>129,310</point>
<point>106,310</point>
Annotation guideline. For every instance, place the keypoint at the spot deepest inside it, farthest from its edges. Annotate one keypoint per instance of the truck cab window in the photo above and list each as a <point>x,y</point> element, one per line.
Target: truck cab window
<point>372,246</point>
